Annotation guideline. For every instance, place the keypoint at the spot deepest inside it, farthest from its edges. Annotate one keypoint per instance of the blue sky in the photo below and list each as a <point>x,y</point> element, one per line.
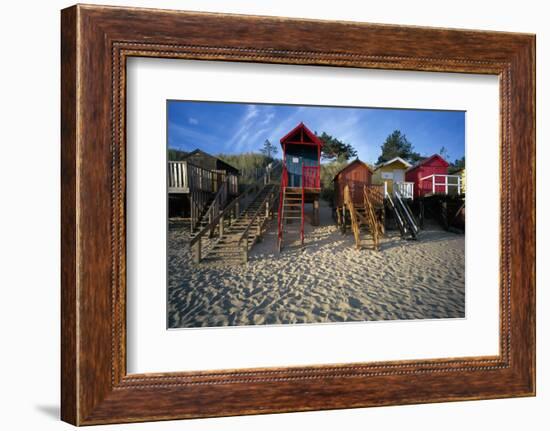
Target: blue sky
<point>238,127</point>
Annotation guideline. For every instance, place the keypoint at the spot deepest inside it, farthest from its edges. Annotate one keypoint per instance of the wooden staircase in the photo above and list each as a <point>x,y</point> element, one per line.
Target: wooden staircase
<point>202,217</point>
<point>213,207</point>
<point>237,239</point>
<point>364,215</point>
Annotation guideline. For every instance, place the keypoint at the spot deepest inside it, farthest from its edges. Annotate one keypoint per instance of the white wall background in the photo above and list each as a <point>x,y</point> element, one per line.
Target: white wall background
<point>29,214</point>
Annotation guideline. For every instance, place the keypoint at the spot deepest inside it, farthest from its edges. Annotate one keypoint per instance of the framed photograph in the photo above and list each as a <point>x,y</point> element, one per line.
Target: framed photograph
<point>264,215</point>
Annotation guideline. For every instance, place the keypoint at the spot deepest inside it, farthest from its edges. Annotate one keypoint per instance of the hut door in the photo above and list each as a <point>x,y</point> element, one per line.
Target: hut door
<point>294,166</point>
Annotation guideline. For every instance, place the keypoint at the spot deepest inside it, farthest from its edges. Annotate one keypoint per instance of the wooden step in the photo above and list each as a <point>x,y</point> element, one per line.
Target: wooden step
<point>222,254</point>
<point>230,247</point>
<point>234,246</point>
<point>241,226</point>
<point>225,249</point>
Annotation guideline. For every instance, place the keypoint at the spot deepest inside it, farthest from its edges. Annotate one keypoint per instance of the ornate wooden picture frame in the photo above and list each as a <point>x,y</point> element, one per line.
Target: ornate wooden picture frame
<point>96,42</point>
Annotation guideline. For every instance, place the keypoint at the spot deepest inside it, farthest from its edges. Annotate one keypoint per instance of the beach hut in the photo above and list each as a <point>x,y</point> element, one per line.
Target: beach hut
<point>197,181</point>
<point>223,171</point>
<point>461,172</point>
<point>302,157</point>
<point>300,178</point>
<point>356,175</point>
<point>392,173</point>
<point>357,202</point>
<point>430,177</point>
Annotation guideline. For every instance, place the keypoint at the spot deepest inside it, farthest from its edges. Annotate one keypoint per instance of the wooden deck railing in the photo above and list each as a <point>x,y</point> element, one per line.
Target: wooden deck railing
<point>405,189</point>
<point>265,209</point>
<point>184,177</point>
<point>177,177</point>
<point>202,179</point>
<point>311,177</point>
<point>440,184</point>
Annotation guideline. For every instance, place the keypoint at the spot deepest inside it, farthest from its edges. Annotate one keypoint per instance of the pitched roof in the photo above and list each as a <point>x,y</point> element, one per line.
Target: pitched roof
<point>350,164</point>
<point>427,160</point>
<point>204,153</point>
<point>197,151</point>
<point>395,159</point>
<point>309,134</point>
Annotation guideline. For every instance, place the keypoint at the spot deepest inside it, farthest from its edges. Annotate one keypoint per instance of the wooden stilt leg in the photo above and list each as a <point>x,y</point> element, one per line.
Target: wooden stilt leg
<point>315,220</point>
<point>244,252</point>
<point>197,252</point>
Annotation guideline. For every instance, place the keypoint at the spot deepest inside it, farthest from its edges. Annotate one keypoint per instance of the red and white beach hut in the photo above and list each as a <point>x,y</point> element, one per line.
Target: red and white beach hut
<point>430,177</point>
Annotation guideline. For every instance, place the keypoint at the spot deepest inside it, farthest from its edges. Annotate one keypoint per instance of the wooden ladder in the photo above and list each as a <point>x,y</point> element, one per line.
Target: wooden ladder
<point>291,209</point>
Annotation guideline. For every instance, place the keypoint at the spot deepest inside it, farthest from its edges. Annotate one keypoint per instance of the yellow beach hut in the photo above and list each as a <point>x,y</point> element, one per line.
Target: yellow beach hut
<point>462,173</point>
<point>392,173</point>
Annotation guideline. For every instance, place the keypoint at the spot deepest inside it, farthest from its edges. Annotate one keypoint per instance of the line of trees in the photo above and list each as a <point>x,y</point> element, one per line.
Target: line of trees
<point>176,155</point>
<point>335,153</point>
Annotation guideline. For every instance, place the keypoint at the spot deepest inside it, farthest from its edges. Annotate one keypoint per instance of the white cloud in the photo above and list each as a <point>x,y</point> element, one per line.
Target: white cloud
<point>267,119</point>
<point>246,136</point>
<point>251,112</point>
<point>193,121</point>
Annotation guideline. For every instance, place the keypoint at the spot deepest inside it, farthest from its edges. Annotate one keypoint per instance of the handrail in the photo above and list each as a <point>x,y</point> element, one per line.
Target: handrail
<point>261,174</point>
<point>439,175</point>
<point>284,183</point>
<point>434,184</point>
<point>375,227</point>
<point>411,221</point>
<point>261,207</point>
<point>226,210</point>
<point>218,202</point>
<point>311,176</point>
<point>275,166</point>
<point>376,193</point>
<point>348,202</point>
<point>400,221</point>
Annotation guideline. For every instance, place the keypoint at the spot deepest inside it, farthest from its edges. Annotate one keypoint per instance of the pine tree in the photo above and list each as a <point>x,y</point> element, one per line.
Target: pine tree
<point>269,150</point>
<point>397,145</point>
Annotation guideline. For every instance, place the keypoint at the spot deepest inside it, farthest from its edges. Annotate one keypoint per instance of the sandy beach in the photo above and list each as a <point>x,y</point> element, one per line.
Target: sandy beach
<point>327,280</point>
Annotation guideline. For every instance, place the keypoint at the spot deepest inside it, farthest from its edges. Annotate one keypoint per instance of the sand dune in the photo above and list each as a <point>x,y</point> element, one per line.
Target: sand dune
<point>327,280</point>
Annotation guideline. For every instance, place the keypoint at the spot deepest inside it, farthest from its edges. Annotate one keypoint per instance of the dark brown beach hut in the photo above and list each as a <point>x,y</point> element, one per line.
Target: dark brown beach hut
<point>356,175</point>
